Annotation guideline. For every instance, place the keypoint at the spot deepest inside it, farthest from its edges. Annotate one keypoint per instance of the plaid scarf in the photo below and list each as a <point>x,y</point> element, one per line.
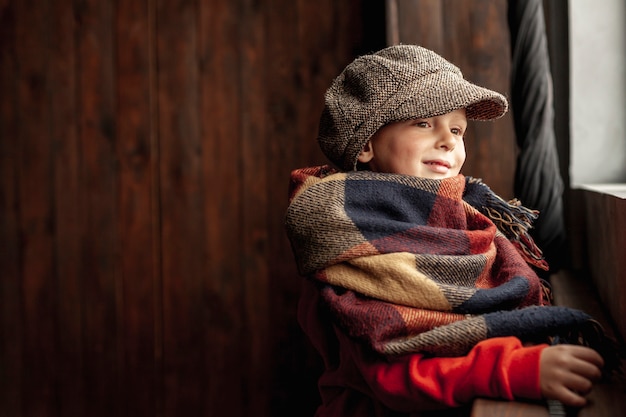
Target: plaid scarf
<point>408,264</point>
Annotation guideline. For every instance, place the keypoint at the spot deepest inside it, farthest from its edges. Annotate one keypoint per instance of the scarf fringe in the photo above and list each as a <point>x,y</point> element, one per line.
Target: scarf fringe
<point>592,334</point>
<point>546,289</point>
<point>513,220</point>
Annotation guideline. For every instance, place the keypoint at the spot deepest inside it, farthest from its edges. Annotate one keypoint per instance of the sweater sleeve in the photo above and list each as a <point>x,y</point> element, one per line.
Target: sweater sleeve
<point>495,368</point>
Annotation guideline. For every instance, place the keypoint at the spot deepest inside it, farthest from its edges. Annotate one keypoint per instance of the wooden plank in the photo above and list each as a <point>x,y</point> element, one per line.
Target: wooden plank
<point>34,202</point>
<point>320,58</point>
<point>67,209</point>
<point>220,111</point>
<point>138,216</point>
<point>484,407</point>
<point>294,33</point>
<point>11,317</point>
<point>101,286</point>
<point>605,219</point>
<point>255,204</point>
<point>182,204</point>
<point>572,290</point>
<point>421,22</point>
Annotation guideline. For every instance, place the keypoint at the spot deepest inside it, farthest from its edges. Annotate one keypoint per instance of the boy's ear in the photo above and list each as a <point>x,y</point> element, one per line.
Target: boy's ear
<point>367,154</point>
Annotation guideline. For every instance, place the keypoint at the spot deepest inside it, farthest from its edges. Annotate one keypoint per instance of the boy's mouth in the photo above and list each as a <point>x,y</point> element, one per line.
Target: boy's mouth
<point>438,162</point>
<point>438,166</point>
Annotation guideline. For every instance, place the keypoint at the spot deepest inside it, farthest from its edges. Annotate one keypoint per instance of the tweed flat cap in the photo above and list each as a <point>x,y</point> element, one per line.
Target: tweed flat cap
<point>401,82</point>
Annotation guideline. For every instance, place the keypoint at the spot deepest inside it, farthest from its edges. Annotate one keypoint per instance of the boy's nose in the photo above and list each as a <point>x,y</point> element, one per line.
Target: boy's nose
<point>446,140</point>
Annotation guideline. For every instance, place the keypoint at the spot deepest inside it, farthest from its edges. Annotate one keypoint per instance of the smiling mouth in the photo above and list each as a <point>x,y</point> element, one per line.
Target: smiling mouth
<point>438,163</point>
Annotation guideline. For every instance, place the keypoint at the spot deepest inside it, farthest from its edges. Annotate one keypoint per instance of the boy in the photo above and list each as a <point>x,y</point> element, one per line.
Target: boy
<point>419,293</point>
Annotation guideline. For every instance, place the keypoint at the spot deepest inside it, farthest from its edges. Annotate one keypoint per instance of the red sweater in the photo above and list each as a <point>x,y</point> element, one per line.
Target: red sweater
<point>358,382</point>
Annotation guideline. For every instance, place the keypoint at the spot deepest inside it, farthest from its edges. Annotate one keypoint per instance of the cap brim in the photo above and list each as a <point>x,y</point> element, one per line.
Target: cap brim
<point>446,92</point>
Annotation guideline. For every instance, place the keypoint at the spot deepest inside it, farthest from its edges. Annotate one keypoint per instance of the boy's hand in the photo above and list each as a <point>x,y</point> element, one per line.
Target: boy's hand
<point>567,373</point>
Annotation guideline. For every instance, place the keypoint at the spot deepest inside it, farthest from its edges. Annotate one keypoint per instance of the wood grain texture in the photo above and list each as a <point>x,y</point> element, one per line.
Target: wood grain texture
<point>34,202</point>
<point>495,408</point>
<point>67,206</point>
<point>182,202</point>
<point>11,317</point>
<point>138,262</point>
<point>605,220</point>
<point>98,175</point>
<point>220,109</point>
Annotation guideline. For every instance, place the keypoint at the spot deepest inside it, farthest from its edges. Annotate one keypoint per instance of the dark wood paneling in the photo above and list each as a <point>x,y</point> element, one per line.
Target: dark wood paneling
<point>184,192</point>
<point>34,203</point>
<point>96,119</point>
<point>11,318</point>
<point>221,110</point>
<point>145,150</point>
<point>220,107</point>
<point>605,219</point>
<point>68,210</point>
<point>254,180</point>
<point>138,261</point>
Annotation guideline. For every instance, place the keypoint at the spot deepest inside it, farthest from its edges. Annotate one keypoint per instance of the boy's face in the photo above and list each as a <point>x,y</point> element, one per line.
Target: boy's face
<point>429,148</point>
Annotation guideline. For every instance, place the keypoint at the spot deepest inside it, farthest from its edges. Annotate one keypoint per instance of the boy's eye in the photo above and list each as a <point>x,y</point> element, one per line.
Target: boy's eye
<point>456,131</point>
<point>421,124</point>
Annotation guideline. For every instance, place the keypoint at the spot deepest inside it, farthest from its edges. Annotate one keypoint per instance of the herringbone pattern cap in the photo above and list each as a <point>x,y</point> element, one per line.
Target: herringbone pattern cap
<point>400,82</point>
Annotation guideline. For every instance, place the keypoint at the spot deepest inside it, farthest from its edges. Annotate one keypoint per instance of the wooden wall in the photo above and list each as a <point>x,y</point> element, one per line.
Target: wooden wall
<point>145,148</point>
